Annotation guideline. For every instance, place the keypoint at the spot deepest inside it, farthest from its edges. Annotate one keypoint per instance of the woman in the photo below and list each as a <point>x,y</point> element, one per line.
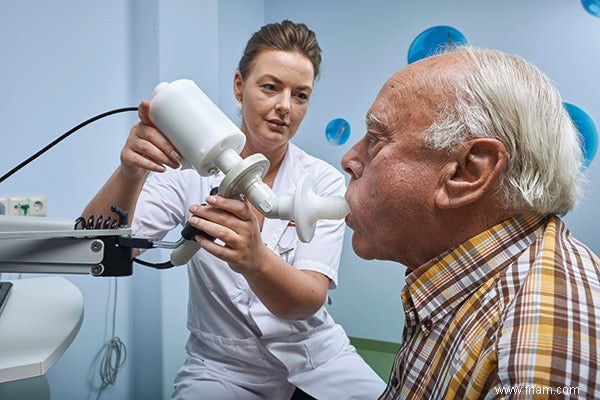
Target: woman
<point>256,313</point>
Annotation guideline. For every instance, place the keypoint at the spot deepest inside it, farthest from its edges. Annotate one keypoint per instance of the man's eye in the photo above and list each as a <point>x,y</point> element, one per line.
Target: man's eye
<point>371,139</point>
<point>269,87</point>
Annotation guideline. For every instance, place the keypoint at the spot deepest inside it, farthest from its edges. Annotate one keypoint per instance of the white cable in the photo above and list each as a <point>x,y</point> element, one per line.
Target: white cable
<point>115,354</point>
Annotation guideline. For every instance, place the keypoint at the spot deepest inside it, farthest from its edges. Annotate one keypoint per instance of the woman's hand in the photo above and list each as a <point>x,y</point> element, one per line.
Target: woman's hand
<point>287,292</point>
<point>147,149</point>
<point>234,224</point>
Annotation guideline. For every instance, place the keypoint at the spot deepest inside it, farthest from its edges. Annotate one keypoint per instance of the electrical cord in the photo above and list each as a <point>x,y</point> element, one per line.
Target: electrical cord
<point>64,136</point>
<point>115,354</point>
<point>163,265</point>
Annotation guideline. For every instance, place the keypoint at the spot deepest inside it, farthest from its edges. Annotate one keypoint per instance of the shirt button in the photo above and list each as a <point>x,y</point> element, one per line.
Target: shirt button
<point>427,323</point>
<point>394,381</point>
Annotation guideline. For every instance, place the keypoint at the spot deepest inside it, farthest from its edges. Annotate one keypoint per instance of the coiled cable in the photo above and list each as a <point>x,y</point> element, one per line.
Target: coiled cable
<point>103,223</point>
<point>115,354</point>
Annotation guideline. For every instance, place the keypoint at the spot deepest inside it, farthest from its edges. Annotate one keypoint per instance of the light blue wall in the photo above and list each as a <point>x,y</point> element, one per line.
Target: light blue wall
<point>65,61</point>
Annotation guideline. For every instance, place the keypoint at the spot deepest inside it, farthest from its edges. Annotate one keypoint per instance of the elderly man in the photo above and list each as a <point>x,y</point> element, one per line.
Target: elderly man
<point>468,161</point>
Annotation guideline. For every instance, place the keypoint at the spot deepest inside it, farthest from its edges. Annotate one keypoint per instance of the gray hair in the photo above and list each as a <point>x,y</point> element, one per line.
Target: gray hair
<point>507,98</point>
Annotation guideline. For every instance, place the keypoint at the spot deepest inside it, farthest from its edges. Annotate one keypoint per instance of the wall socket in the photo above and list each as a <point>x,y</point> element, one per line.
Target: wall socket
<point>27,206</point>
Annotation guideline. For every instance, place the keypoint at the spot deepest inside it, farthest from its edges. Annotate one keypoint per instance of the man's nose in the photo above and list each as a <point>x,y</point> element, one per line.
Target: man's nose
<point>351,164</point>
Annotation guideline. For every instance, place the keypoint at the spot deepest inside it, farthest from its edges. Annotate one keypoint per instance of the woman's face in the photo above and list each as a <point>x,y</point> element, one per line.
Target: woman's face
<point>275,97</point>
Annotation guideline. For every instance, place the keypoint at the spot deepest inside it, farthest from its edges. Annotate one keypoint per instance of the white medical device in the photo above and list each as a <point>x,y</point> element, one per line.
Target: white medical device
<point>210,142</point>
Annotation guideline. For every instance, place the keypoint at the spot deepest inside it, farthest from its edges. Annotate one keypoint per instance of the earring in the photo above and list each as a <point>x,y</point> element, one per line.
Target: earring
<point>239,105</point>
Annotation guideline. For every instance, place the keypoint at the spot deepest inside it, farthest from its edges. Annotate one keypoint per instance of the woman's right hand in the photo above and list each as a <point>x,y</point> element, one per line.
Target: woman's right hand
<point>147,149</point>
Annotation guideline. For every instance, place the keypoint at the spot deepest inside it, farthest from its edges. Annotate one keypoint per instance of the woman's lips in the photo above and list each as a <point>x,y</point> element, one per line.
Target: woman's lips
<point>278,126</point>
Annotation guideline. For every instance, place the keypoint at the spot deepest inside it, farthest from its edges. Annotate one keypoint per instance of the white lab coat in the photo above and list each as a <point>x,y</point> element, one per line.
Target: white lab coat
<point>229,322</point>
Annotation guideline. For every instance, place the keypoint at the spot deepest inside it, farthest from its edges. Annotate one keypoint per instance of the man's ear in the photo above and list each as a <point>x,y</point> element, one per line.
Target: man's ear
<point>472,173</point>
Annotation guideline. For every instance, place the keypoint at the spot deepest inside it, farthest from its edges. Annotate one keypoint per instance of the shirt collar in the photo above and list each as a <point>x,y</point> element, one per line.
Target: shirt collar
<point>439,286</point>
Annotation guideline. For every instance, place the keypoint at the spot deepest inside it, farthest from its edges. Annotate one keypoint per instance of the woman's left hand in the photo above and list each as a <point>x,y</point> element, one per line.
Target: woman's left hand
<point>287,292</point>
<point>234,224</point>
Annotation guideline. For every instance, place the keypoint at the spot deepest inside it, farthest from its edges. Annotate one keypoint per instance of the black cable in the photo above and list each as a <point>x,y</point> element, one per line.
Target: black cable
<point>163,265</point>
<point>64,136</point>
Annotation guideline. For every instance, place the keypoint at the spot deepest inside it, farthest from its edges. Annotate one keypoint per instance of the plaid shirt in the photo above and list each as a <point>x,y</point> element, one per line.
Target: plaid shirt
<point>513,312</point>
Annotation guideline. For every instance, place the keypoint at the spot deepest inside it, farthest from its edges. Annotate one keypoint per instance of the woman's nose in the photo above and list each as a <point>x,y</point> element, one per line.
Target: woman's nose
<point>283,105</point>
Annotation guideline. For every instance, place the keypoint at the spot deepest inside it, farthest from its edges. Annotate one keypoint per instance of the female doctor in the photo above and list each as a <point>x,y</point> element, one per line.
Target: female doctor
<point>256,315</point>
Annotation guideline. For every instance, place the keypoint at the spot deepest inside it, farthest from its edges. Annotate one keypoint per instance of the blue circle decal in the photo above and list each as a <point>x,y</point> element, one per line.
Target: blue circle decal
<point>337,131</point>
<point>592,6</point>
<point>587,131</point>
<point>432,40</point>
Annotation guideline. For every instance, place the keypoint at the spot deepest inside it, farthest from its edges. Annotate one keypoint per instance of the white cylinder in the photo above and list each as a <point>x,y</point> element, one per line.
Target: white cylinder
<point>184,253</point>
<point>263,198</point>
<point>228,159</point>
<point>197,128</point>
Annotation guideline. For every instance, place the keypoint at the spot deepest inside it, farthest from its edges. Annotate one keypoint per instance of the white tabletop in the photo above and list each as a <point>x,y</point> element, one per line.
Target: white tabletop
<point>40,320</point>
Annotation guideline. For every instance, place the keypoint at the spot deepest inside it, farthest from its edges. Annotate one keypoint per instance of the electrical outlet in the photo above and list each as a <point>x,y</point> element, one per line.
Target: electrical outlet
<point>37,206</point>
<point>24,205</point>
<point>18,206</point>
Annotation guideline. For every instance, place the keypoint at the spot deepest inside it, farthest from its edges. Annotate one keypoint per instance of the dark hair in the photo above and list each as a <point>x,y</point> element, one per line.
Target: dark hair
<point>286,36</point>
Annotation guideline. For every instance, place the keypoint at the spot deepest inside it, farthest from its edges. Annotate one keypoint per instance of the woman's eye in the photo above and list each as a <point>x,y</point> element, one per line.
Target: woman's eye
<point>302,96</point>
<point>269,87</point>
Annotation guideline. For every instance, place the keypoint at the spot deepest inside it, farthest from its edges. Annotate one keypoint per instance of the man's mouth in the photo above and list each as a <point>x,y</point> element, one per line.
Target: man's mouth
<point>348,220</point>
